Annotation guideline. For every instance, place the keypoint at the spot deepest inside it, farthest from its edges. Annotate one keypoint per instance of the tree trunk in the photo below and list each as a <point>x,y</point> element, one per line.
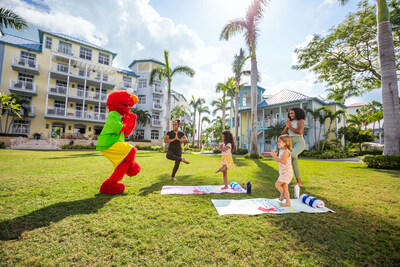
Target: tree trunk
<point>315,134</point>
<point>380,135</point>
<point>236,119</point>
<point>390,92</point>
<point>254,74</point>
<point>198,134</point>
<point>168,115</point>
<point>223,115</point>
<point>194,127</point>
<point>327,135</point>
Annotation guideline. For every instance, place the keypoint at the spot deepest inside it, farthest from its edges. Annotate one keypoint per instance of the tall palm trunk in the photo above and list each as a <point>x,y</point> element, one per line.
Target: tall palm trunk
<point>223,115</point>
<point>194,127</point>
<point>236,118</point>
<point>198,134</point>
<point>380,135</point>
<point>390,92</point>
<point>254,74</point>
<point>315,134</point>
<point>168,115</point>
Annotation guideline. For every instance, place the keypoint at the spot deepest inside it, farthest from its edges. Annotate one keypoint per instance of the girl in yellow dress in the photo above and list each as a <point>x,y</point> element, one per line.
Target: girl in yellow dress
<point>227,162</point>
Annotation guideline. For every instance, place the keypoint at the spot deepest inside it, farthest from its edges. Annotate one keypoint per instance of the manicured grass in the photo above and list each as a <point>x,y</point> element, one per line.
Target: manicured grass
<point>51,214</point>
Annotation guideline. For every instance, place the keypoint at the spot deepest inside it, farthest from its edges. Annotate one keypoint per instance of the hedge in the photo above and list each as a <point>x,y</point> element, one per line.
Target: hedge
<point>253,156</point>
<point>324,154</point>
<point>383,162</point>
<point>78,147</point>
<point>13,135</point>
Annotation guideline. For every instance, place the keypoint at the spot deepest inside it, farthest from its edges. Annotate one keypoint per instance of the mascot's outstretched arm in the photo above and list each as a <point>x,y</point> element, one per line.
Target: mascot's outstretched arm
<point>111,142</point>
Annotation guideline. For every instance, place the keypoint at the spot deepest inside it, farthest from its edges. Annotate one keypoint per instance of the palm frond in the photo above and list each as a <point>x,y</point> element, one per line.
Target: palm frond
<point>233,27</point>
<point>9,19</point>
<point>159,72</point>
<point>183,69</point>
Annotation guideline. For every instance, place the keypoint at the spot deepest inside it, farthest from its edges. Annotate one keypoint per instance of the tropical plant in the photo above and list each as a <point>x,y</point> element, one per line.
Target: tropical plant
<point>165,72</point>
<point>249,26</point>
<point>219,106</point>
<point>204,119</point>
<point>143,116</point>
<point>201,110</point>
<point>195,103</point>
<point>9,19</point>
<point>16,105</point>
<point>237,68</point>
<point>390,91</point>
<point>178,112</point>
<point>225,88</point>
<point>332,116</point>
<point>187,128</point>
<point>274,131</point>
<point>7,106</point>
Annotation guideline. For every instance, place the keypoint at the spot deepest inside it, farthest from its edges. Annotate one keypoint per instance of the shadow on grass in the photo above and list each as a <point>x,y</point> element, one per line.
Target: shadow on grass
<point>12,229</point>
<point>92,154</point>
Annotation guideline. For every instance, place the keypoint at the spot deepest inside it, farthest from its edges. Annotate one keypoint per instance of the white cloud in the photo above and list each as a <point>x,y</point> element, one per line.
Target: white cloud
<point>328,2</point>
<point>139,46</point>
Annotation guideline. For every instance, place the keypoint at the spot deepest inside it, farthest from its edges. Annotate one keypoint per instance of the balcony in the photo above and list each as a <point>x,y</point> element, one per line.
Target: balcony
<point>157,106</point>
<point>155,123</point>
<point>157,90</point>
<point>75,115</point>
<point>77,93</point>
<point>59,90</point>
<point>21,64</point>
<point>23,87</point>
<point>65,51</point>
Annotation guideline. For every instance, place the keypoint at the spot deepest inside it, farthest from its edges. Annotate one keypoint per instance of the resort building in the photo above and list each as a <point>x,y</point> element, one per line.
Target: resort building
<point>66,82</point>
<point>273,110</point>
<point>179,100</point>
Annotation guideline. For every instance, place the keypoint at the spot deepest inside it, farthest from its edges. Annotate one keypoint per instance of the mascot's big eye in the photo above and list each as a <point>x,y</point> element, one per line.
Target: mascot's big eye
<point>129,91</point>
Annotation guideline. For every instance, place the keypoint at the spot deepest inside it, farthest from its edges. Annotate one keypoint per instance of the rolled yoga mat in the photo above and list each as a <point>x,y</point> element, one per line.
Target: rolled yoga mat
<point>312,201</point>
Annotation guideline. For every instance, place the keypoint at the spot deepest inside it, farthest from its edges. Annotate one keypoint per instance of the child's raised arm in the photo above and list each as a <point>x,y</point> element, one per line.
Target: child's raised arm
<point>281,159</point>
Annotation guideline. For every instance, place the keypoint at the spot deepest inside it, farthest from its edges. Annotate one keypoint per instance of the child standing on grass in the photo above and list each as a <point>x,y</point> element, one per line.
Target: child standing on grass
<point>284,160</point>
<point>227,162</point>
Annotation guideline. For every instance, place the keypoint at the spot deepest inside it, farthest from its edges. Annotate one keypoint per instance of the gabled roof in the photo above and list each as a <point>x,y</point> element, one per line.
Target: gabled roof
<point>150,59</point>
<point>73,39</point>
<point>258,87</point>
<point>284,96</point>
<point>21,42</point>
<point>128,72</point>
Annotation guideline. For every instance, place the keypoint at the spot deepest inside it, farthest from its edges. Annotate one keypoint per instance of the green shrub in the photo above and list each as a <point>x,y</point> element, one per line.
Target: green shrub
<point>369,152</point>
<point>2,145</point>
<point>13,135</point>
<point>78,147</point>
<point>324,154</point>
<point>253,156</point>
<point>383,162</point>
<point>216,151</point>
<point>242,151</point>
<point>137,140</point>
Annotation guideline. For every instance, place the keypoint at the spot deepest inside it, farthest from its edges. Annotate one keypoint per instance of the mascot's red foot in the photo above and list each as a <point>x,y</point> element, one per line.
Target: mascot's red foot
<point>111,187</point>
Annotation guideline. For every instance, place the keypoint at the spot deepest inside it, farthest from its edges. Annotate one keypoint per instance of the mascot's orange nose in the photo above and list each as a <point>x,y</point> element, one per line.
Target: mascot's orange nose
<point>135,99</point>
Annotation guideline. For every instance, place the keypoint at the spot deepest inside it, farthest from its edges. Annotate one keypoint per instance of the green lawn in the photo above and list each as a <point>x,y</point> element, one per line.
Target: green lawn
<point>51,214</point>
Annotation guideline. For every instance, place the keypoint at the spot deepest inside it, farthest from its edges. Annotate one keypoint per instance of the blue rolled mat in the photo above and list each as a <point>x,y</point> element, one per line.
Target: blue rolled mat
<point>312,201</point>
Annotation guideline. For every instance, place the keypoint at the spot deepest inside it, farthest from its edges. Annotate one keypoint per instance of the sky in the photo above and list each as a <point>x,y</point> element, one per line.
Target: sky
<point>189,30</point>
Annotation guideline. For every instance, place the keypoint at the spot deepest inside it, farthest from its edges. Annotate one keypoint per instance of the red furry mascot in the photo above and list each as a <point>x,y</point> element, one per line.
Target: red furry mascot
<point>111,142</point>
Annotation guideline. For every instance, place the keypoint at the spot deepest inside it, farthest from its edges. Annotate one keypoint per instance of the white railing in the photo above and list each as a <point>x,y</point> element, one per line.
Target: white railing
<point>58,89</point>
<point>65,51</point>
<point>157,106</point>
<point>155,122</point>
<point>23,85</point>
<point>56,111</point>
<point>25,62</point>
<point>157,89</point>
<point>77,92</point>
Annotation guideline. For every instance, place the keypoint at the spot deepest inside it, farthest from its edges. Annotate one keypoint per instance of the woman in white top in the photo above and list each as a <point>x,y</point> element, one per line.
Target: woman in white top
<point>295,128</point>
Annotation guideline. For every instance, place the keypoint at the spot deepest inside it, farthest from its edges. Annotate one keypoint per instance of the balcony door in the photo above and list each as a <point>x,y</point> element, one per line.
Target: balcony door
<point>24,81</point>
<point>28,58</point>
<point>65,48</point>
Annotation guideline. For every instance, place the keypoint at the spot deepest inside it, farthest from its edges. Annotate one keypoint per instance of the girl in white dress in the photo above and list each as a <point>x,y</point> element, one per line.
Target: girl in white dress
<point>284,160</point>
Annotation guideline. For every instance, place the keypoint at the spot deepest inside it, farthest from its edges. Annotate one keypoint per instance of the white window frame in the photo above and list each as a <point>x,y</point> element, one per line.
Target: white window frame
<point>155,134</point>
<point>23,124</point>
<point>104,59</point>
<point>65,47</point>
<point>85,53</point>
<point>142,99</point>
<point>62,68</point>
<point>49,42</point>
<point>142,83</point>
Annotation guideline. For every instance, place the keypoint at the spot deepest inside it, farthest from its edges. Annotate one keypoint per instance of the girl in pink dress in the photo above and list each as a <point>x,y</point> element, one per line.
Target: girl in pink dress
<point>284,160</point>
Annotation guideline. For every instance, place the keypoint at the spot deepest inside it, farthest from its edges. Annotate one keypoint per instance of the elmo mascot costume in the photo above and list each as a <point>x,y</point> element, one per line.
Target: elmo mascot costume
<point>111,142</point>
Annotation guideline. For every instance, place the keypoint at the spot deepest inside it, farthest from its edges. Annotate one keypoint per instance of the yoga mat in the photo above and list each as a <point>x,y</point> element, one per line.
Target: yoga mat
<point>200,189</point>
<point>257,206</point>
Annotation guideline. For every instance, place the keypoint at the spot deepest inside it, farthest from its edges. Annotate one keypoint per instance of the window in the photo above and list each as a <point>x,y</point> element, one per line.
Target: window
<point>49,42</point>
<point>154,134</point>
<point>65,48</point>
<point>142,83</point>
<point>142,99</point>
<point>62,68</point>
<point>139,134</point>
<point>157,102</point>
<point>85,53</point>
<point>104,59</point>
<point>59,104</point>
<point>83,73</point>
<point>155,116</point>
<point>105,77</point>
<point>78,110</point>
<point>126,82</point>
<point>157,86</point>
<point>28,58</point>
<point>21,126</point>
<point>25,78</point>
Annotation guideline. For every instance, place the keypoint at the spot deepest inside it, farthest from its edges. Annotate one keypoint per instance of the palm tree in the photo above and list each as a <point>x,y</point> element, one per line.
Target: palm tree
<point>201,110</point>
<point>390,90</point>
<point>319,115</point>
<point>22,106</point>
<point>225,88</point>
<point>332,116</point>
<point>315,113</point>
<point>9,19</point>
<point>204,119</point>
<point>249,25</point>
<point>219,106</point>
<point>237,68</point>
<point>355,120</point>
<point>275,130</point>
<point>167,73</point>
<point>195,103</point>
<point>178,112</point>
<point>143,116</point>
